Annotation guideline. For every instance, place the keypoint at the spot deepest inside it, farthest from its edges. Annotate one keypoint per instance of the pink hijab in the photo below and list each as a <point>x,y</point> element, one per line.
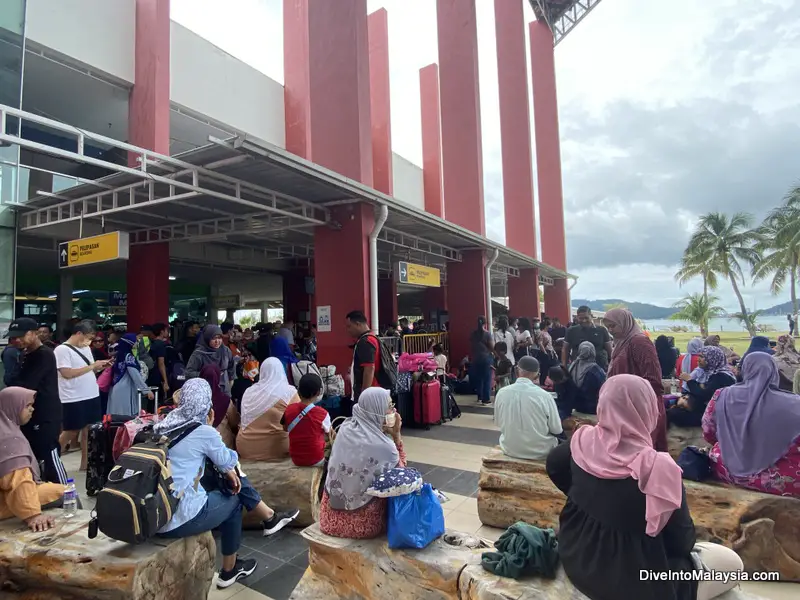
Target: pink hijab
<point>619,446</point>
<point>627,328</point>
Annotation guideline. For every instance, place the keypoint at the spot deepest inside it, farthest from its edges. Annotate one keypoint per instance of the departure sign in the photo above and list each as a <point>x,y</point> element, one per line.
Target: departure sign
<point>91,250</point>
<point>419,275</point>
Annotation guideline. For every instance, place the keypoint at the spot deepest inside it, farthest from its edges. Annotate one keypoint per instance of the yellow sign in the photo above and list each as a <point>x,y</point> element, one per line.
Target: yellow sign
<point>95,249</point>
<point>419,275</point>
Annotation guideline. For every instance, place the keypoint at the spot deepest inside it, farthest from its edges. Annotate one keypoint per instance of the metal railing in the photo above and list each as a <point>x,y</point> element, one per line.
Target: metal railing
<point>417,343</point>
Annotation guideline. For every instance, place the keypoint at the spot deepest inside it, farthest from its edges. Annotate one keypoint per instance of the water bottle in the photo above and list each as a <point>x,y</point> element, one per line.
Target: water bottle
<point>673,388</point>
<point>70,499</point>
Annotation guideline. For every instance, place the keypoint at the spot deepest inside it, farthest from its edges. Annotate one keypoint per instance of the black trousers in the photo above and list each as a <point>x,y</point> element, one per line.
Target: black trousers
<point>43,438</point>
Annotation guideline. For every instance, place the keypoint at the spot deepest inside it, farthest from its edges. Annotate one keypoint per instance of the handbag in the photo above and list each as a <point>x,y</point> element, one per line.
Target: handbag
<point>415,520</point>
<point>105,380</point>
<point>695,463</point>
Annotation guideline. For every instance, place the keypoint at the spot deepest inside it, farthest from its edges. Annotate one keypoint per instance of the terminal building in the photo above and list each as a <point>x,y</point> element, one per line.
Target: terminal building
<point>212,186</point>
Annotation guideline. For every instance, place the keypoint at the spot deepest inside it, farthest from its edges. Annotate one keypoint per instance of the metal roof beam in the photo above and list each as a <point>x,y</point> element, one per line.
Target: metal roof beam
<point>560,19</point>
<point>398,239</point>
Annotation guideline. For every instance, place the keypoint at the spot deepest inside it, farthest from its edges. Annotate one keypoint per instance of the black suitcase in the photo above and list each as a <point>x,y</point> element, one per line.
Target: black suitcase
<point>99,451</point>
<point>444,391</point>
<point>405,408</point>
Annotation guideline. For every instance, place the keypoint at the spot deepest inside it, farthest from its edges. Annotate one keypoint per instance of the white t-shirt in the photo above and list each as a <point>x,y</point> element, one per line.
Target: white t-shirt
<point>509,338</point>
<point>77,388</point>
<point>528,420</point>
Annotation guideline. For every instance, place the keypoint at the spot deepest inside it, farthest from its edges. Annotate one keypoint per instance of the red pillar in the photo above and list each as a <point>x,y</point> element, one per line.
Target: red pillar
<point>462,281</point>
<point>387,302</point>
<point>462,159</point>
<point>434,299</point>
<point>326,85</point>
<point>515,129</point>
<point>431,139</point>
<point>295,296</point>
<point>148,127</point>
<point>548,165</point>
<point>379,101</point>
<point>341,270</point>
<point>148,285</point>
<point>523,294</point>
<point>148,118</point>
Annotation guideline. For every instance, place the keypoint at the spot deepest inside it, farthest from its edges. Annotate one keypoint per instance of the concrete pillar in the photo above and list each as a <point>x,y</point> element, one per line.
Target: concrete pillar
<point>265,312</point>
<point>326,85</point>
<point>327,100</point>
<point>296,299</point>
<point>337,253</point>
<point>431,139</point>
<point>515,130</point>
<point>387,302</point>
<point>148,285</point>
<point>523,294</point>
<point>148,119</point>
<point>548,165</point>
<point>462,158</point>
<point>434,300</point>
<point>64,303</point>
<point>380,103</point>
<point>463,278</point>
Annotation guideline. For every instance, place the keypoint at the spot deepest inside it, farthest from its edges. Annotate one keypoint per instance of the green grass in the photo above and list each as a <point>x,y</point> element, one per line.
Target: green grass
<point>739,341</point>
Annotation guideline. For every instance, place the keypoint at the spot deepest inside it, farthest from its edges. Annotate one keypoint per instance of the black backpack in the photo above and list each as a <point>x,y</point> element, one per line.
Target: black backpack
<point>387,375</point>
<point>137,499</point>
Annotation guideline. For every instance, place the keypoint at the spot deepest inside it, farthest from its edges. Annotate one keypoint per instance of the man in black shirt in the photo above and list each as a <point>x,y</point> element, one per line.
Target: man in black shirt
<point>366,354</point>
<point>38,372</point>
<point>162,352</point>
<point>586,331</point>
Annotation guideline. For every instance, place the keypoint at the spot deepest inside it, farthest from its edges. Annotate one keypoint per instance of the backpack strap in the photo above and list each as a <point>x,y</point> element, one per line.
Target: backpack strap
<point>76,351</point>
<point>299,417</point>
<point>182,433</point>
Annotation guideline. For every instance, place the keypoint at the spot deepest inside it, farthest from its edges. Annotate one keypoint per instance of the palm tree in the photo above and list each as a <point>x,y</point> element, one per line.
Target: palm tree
<point>779,247</point>
<point>748,319</point>
<point>726,241</point>
<point>698,309</point>
<point>696,262</point>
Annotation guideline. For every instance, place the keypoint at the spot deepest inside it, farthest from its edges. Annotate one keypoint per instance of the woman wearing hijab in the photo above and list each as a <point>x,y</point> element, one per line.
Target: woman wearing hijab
<point>626,509</point>
<point>588,378</point>
<point>755,429</point>
<point>688,362</point>
<point>279,349</point>
<point>362,450</point>
<point>128,383</point>
<point>22,493</point>
<point>211,351</point>
<point>261,435</point>
<point>712,374</point>
<point>200,511</point>
<point>787,359</point>
<point>634,354</point>
<point>715,340</point>
<point>759,343</point>
<point>666,356</point>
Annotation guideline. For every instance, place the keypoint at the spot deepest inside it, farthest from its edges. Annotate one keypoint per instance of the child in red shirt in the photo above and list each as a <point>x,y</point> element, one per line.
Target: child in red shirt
<point>307,424</point>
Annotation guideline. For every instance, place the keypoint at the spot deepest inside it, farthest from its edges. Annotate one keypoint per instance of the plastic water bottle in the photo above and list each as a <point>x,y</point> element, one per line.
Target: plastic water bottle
<point>70,499</point>
<point>673,387</point>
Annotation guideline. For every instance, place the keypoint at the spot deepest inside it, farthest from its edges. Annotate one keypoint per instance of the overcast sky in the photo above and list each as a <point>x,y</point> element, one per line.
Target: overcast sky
<point>668,110</point>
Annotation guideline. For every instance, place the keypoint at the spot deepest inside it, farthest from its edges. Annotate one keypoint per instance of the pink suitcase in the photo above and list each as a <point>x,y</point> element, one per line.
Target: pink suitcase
<point>427,404</point>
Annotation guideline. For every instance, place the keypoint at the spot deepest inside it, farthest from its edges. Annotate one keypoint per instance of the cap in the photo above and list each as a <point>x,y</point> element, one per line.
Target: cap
<point>19,327</point>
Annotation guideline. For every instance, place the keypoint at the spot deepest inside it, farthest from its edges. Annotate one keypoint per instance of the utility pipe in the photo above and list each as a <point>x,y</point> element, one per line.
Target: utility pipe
<point>383,214</point>
<point>489,265</point>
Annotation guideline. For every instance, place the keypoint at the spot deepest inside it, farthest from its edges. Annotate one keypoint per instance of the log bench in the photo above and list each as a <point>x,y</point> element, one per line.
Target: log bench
<point>677,437</point>
<point>448,569</point>
<point>762,528</point>
<point>282,485</point>
<point>64,564</point>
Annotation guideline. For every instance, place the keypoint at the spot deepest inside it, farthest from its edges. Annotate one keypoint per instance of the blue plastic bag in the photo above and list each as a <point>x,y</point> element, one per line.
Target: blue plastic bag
<point>415,520</point>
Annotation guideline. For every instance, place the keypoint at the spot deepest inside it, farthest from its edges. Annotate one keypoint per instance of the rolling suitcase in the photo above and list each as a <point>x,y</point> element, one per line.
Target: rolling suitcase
<point>427,404</point>
<point>99,451</point>
<point>443,392</point>
<point>405,408</point>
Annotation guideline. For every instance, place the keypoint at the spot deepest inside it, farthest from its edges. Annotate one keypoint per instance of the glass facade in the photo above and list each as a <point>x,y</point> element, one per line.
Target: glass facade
<point>12,52</point>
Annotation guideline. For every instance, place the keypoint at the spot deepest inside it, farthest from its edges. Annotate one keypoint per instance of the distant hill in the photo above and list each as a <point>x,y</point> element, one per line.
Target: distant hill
<point>639,309</point>
<point>779,309</point>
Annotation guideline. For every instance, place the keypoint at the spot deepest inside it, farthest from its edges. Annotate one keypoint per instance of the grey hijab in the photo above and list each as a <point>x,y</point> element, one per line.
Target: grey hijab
<point>361,452</point>
<point>587,358</point>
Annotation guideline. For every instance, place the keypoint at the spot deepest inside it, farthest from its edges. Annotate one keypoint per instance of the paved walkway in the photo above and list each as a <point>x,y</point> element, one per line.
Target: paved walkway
<point>449,458</point>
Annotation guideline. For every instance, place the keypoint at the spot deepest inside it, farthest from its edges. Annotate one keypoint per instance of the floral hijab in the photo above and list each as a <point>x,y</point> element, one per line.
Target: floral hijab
<point>716,362</point>
<point>125,358</point>
<point>361,452</point>
<point>194,407</point>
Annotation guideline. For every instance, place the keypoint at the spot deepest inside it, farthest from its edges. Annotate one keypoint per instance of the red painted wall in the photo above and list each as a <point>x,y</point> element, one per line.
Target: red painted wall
<point>431,139</point>
<point>523,294</point>
<point>380,102</point>
<point>148,285</point>
<point>465,286</point>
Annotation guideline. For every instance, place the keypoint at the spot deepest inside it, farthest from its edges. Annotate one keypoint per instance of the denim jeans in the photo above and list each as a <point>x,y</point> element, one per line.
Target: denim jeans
<point>481,377</point>
<point>224,512</point>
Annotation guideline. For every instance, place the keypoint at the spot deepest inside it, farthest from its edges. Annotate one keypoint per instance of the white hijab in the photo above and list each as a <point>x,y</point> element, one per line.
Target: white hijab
<point>272,387</point>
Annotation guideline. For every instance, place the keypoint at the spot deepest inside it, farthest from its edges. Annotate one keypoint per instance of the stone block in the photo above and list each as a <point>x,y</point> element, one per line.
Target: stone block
<point>282,485</point>
<point>64,563</point>
<point>763,529</point>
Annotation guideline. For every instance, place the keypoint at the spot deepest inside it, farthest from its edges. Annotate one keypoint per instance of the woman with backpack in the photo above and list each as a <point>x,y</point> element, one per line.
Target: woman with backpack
<point>200,510</point>
<point>127,380</point>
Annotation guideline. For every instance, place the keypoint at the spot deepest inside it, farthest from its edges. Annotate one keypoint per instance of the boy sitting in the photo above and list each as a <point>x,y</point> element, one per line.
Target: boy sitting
<point>307,424</point>
<point>502,366</point>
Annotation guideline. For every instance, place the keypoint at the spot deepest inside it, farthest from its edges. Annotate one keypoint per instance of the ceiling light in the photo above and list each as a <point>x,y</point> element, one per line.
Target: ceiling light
<point>172,278</point>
